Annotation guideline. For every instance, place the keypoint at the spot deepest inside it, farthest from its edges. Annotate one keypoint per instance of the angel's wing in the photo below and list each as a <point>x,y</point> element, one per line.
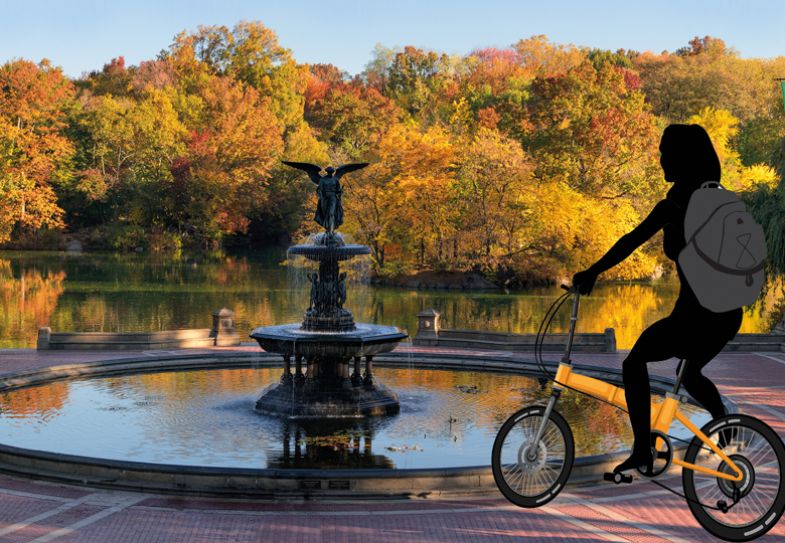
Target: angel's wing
<point>312,169</point>
<point>346,168</point>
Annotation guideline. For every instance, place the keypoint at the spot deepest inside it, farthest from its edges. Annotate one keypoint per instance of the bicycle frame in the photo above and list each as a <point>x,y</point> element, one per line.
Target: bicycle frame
<point>663,412</point>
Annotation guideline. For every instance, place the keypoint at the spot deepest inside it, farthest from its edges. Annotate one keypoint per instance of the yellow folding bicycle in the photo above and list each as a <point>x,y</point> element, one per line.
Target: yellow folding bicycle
<point>731,472</point>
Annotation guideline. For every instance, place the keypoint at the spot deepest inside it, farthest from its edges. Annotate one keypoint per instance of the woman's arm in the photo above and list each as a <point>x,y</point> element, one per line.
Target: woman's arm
<point>659,217</point>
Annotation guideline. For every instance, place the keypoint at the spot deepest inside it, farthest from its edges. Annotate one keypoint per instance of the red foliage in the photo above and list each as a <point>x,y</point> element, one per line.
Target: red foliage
<point>488,118</point>
<point>493,54</point>
<point>631,79</point>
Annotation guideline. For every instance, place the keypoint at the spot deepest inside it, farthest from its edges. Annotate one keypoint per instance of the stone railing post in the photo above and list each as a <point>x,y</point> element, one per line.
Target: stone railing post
<point>44,334</point>
<point>779,328</point>
<point>610,340</point>
<point>223,328</point>
<point>428,325</point>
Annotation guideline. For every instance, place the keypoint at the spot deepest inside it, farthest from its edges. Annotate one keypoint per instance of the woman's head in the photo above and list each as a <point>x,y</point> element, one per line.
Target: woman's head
<point>688,157</point>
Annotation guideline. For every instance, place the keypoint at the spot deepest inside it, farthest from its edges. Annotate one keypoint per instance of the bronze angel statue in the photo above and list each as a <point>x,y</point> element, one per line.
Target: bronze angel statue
<point>329,210</point>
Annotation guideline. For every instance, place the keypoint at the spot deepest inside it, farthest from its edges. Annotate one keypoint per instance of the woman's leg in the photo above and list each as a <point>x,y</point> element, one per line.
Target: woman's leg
<point>711,337</point>
<point>653,345</point>
<point>701,388</point>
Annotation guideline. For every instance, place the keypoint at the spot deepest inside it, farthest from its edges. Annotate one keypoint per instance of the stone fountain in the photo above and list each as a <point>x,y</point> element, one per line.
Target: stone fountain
<point>323,356</point>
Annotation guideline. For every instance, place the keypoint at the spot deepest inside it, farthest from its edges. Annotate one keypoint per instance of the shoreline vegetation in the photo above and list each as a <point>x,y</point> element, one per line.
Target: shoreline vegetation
<point>512,167</point>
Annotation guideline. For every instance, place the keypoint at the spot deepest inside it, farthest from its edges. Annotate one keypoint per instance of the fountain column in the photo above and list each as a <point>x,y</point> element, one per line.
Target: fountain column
<point>356,376</point>
<point>368,370</point>
<point>287,369</point>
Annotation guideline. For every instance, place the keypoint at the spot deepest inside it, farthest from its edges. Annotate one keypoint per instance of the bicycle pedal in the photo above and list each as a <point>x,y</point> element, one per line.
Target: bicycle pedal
<point>617,478</point>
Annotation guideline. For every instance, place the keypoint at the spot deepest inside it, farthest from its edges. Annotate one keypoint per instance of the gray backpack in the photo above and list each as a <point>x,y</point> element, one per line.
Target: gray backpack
<point>726,249</point>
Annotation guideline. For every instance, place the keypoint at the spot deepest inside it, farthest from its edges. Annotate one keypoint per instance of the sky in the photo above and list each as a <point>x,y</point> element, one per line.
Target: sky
<point>83,35</point>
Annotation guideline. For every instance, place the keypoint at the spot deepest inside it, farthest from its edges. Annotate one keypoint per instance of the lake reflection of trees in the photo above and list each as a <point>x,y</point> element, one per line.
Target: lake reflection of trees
<point>42,401</point>
<point>28,298</point>
<point>94,292</point>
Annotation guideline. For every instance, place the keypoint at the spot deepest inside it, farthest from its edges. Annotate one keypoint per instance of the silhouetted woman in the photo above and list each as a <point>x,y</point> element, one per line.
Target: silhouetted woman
<point>691,332</point>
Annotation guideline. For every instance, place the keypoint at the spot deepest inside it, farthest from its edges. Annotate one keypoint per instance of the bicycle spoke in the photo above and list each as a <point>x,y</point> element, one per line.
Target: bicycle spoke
<point>532,478</point>
<point>758,452</point>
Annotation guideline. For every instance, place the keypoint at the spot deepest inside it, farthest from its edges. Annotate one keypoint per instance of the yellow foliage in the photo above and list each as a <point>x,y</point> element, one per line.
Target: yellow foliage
<point>579,229</point>
<point>750,177</point>
<point>722,127</point>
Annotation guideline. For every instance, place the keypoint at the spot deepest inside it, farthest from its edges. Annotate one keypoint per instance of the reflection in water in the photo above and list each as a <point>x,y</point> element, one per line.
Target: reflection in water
<point>91,292</point>
<point>28,297</point>
<point>447,419</point>
<point>329,444</point>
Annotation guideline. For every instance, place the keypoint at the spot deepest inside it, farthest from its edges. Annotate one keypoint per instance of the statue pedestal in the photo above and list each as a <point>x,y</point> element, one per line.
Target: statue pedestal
<point>343,322</point>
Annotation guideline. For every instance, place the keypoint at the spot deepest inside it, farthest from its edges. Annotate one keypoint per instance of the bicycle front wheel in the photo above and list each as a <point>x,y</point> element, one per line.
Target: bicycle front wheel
<point>532,474</point>
<point>757,501</point>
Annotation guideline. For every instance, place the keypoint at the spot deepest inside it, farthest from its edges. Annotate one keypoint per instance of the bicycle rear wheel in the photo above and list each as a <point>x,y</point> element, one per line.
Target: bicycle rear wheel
<point>760,454</point>
<point>532,480</point>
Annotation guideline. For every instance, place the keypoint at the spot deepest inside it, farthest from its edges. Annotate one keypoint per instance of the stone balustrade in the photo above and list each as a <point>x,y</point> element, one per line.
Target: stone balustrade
<point>431,333</point>
<point>222,334</point>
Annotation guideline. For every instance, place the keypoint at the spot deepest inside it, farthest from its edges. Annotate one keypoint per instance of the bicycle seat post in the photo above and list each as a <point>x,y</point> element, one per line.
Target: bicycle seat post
<point>680,374</point>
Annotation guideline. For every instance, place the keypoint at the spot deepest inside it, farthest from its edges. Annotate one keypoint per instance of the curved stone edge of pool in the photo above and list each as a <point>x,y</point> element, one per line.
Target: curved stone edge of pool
<point>280,483</point>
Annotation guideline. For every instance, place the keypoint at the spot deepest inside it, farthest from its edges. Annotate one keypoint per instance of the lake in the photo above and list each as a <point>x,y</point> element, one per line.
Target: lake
<point>93,292</point>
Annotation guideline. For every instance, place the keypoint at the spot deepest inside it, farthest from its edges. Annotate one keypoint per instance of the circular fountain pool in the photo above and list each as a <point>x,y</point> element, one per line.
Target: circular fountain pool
<point>202,421</point>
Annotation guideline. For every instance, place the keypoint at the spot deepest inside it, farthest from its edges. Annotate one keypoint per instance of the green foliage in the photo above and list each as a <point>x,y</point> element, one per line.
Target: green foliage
<point>768,207</point>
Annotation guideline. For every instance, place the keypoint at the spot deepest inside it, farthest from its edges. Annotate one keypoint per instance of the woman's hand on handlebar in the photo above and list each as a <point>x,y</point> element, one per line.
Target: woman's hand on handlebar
<point>584,281</point>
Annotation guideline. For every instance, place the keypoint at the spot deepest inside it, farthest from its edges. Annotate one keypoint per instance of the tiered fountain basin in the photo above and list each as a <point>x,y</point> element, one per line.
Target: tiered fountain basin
<point>188,424</point>
<point>365,340</point>
<point>323,357</point>
<point>327,380</point>
<point>320,251</point>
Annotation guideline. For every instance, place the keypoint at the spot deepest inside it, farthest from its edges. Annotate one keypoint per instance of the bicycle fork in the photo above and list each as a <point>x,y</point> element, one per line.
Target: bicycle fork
<point>531,450</point>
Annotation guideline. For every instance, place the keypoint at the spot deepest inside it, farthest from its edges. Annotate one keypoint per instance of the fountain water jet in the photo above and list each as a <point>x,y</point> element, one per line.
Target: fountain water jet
<point>328,347</point>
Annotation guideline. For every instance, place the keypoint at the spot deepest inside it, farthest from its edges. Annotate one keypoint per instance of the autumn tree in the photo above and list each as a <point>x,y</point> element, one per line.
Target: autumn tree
<point>349,116</point>
<point>417,80</point>
<point>489,194</point>
<point>35,155</point>
<point>401,205</point>
<point>249,53</point>
<point>591,129</point>
<point>224,172</point>
<point>496,86</point>
<point>707,73</point>
<point>128,149</point>
<point>723,127</point>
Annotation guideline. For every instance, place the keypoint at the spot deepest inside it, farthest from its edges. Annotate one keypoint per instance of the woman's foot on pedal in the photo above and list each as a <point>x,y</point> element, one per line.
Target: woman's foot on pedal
<point>636,460</point>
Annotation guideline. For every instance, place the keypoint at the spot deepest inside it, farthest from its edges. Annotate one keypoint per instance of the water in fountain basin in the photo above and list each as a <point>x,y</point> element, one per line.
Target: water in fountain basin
<point>448,418</point>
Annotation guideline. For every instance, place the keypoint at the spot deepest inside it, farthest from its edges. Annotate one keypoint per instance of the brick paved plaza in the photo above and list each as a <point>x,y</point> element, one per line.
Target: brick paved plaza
<point>33,511</point>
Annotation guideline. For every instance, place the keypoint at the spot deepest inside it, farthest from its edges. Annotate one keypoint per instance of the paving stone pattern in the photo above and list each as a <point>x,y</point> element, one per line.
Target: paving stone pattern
<point>38,512</point>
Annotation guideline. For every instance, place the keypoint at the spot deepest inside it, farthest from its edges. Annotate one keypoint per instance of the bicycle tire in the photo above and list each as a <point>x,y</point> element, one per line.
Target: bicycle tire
<point>554,470</point>
<point>759,464</point>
